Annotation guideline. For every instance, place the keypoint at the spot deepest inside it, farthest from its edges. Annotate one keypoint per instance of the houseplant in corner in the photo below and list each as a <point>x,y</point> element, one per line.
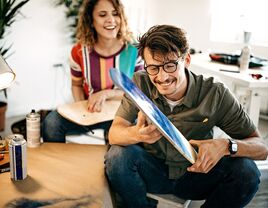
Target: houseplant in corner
<point>9,9</point>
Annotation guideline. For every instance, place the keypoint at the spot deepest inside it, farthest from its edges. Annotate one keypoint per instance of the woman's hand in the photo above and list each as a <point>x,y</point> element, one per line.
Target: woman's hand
<point>209,153</point>
<point>96,100</point>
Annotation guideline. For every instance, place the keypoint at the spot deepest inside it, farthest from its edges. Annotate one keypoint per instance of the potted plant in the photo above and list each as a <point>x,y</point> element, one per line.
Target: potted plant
<point>9,9</point>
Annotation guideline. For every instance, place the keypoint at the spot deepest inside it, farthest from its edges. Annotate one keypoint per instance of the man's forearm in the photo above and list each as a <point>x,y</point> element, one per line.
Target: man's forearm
<point>122,136</point>
<point>253,148</point>
<point>122,133</point>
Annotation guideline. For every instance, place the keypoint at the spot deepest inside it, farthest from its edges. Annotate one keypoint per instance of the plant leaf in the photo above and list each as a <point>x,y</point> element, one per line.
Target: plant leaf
<point>8,11</point>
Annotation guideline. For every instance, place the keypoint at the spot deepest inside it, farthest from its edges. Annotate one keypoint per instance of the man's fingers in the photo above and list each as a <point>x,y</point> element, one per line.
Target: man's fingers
<point>196,143</point>
<point>141,121</point>
<point>148,129</point>
<point>203,164</point>
<point>200,161</point>
<point>150,139</point>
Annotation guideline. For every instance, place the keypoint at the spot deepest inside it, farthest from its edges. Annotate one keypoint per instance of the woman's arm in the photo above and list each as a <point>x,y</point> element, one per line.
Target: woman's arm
<point>112,93</point>
<point>78,91</point>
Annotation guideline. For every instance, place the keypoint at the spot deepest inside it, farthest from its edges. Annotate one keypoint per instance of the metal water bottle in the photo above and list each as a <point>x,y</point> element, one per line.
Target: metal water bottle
<point>33,129</point>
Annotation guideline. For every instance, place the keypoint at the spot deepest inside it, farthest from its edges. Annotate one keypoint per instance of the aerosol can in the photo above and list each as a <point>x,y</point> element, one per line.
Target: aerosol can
<point>33,129</point>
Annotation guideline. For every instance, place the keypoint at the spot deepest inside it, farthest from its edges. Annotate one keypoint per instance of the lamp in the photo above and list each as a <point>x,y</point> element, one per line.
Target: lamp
<point>7,76</point>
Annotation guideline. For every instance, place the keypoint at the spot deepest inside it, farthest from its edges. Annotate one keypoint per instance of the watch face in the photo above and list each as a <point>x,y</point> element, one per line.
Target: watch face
<point>234,147</point>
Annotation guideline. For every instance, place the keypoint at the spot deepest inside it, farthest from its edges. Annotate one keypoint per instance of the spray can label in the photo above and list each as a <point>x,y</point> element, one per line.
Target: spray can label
<point>18,157</point>
<point>33,129</point>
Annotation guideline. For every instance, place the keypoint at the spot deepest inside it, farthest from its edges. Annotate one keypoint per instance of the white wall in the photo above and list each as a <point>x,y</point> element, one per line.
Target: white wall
<point>40,40</point>
<point>191,15</point>
<point>194,17</point>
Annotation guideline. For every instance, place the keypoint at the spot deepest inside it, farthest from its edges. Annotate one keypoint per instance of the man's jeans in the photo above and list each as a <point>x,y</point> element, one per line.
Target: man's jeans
<point>132,172</point>
<point>55,127</point>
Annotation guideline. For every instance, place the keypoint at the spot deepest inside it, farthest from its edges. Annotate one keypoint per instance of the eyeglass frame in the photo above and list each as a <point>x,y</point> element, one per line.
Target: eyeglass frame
<point>163,67</point>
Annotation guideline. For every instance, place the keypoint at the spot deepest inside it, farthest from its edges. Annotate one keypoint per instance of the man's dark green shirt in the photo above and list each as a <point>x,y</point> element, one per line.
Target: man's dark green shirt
<point>206,104</point>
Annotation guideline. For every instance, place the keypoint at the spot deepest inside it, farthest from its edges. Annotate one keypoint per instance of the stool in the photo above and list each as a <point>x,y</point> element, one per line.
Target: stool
<point>169,201</point>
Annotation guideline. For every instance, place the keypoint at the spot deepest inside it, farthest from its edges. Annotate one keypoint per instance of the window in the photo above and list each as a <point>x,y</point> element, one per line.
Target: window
<point>230,18</point>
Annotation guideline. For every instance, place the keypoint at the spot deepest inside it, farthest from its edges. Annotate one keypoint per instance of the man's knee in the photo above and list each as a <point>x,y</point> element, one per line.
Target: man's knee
<point>116,154</point>
<point>249,174</point>
<point>245,169</point>
<point>246,178</point>
<point>119,157</point>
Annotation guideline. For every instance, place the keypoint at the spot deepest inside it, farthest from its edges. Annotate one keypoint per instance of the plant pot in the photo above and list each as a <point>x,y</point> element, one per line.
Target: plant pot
<point>3,108</point>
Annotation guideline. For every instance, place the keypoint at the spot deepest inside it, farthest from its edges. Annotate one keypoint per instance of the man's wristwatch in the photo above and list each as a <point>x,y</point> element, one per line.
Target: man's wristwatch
<point>233,147</point>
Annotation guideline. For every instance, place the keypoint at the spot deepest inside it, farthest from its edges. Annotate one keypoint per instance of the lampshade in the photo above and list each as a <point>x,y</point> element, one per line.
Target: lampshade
<point>7,76</point>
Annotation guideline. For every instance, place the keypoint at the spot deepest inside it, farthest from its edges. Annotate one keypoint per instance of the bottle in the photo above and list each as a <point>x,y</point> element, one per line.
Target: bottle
<point>33,129</point>
<point>245,53</point>
<point>244,58</point>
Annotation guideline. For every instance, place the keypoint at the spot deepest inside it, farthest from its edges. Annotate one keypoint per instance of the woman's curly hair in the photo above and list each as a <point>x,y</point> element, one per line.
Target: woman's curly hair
<point>86,33</point>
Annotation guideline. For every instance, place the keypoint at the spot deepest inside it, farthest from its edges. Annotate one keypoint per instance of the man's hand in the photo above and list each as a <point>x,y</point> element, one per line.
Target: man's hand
<point>209,153</point>
<point>147,133</point>
<point>96,100</point>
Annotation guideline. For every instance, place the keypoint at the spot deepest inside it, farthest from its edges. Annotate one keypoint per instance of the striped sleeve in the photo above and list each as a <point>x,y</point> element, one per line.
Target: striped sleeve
<point>75,64</point>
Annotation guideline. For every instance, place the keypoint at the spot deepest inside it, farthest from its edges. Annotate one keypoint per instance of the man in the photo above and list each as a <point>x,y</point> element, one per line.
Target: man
<point>140,160</point>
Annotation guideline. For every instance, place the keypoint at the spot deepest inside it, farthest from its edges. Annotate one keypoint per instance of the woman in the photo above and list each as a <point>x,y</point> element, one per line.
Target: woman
<point>103,41</point>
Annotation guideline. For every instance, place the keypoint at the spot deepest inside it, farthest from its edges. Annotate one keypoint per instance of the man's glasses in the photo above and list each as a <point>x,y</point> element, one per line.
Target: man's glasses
<point>168,67</point>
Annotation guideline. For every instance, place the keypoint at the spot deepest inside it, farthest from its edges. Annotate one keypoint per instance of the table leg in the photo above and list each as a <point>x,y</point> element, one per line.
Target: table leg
<point>250,101</point>
<point>254,106</point>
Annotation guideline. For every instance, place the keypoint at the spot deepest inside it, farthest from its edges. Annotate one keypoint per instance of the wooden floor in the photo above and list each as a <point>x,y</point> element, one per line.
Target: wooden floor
<point>259,201</point>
